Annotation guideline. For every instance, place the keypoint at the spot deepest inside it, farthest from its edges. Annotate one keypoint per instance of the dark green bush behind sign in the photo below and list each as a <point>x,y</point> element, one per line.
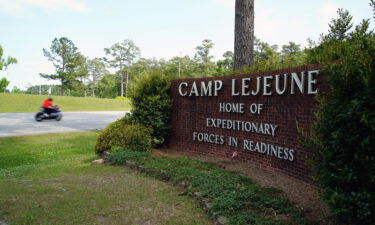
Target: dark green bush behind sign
<point>151,105</point>
<point>343,137</point>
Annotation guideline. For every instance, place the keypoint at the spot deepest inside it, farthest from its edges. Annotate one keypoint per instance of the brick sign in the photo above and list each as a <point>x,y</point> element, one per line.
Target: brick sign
<point>253,116</point>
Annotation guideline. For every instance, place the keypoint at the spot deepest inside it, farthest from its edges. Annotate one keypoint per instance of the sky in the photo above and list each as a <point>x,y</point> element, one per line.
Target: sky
<point>160,28</point>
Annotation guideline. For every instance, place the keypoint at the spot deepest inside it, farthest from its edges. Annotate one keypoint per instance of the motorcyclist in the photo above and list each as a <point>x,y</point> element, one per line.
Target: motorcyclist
<point>48,106</point>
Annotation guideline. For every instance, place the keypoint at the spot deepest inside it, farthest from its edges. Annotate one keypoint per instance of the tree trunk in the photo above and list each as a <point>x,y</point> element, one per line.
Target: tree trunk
<point>244,34</point>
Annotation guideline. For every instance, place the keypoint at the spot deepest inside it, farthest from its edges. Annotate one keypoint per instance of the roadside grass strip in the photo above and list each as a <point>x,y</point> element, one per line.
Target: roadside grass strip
<point>226,196</point>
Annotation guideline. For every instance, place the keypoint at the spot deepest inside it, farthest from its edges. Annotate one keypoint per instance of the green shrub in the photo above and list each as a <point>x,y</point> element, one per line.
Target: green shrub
<point>151,105</point>
<point>122,135</point>
<point>343,137</point>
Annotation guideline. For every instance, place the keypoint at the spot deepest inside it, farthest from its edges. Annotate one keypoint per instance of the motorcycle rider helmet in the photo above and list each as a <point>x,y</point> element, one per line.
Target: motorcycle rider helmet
<point>50,99</point>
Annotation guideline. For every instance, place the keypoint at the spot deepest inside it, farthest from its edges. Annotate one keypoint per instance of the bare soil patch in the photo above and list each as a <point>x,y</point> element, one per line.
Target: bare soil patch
<point>303,196</point>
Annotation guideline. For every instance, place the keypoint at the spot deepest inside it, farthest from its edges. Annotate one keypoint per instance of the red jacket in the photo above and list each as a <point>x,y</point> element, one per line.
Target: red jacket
<point>47,104</point>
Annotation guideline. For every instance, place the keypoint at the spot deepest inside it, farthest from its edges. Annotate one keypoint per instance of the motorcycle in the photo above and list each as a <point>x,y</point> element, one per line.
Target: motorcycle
<point>43,115</point>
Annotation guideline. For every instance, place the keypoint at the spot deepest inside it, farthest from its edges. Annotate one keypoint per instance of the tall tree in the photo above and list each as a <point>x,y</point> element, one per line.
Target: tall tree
<point>122,56</point>
<point>203,52</point>
<point>97,69</point>
<point>204,59</point>
<point>81,71</point>
<point>66,58</point>
<point>244,34</point>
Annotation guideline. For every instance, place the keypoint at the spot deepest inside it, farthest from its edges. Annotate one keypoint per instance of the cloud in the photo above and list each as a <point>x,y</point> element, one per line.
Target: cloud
<point>73,5</point>
<point>27,7</point>
<point>326,12</point>
<point>226,3</point>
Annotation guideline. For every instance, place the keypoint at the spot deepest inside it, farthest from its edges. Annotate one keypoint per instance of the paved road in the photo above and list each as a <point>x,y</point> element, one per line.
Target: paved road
<point>17,124</point>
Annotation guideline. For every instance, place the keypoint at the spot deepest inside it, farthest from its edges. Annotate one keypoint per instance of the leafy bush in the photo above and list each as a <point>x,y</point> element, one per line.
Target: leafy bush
<point>151,105</point>
<point>123,135</point>
<point>229,194</point>
<point>343,137</point>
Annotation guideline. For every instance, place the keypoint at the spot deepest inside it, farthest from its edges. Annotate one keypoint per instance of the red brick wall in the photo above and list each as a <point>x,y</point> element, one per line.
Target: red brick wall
<point>189,114</point>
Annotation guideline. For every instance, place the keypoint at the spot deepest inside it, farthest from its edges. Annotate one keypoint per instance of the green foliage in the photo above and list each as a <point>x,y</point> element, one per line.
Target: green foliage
<point>107,86</point>
<point>124,135</point>
<point>97,70</point>
<point>343,137</point>
<point>68,62</point>
<point>122,56</point>
<point>81,76</point>
<point>292,55</point>
<point>16,90</point>
<point>227,64</point>
<point>267,57</point>
<point>204,60</point>
<point>3,84</point>
<point>151,105</point>
<point>229,194</point>
<point>4,63</point>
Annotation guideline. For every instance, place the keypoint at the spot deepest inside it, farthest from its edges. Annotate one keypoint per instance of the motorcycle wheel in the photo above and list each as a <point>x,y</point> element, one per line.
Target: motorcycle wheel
<point>39,116</point>
<point>59,117</point>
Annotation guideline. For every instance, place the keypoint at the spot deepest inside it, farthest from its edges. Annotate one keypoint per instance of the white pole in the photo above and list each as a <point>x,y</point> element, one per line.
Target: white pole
<point>127,81</point>
<point>179,68</point>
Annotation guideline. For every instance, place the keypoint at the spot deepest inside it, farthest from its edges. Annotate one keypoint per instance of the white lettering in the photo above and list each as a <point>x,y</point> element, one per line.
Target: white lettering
<point>194,90</point>
<point>311,81</point>
<point>206,90</point>
<point>234,93</point>
<point>180,88</point>
<point>266,85</point>
<point>245,86</point>
<point>299,82</point>
<point>218,85</point>
<point>258,87</point>
<point>277,84</point>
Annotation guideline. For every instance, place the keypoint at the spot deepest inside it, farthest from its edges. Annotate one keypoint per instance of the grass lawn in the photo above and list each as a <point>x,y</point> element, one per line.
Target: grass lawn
<point>30,103</point>
<point>54,183</point>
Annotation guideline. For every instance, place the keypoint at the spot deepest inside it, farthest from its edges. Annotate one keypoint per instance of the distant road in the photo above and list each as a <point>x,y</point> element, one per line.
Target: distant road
<point>17,124</point>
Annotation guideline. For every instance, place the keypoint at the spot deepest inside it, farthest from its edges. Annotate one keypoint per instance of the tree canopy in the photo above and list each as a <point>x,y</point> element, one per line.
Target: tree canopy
<point>121,56</point>
<point>4,63</point>
<point>68,62</point>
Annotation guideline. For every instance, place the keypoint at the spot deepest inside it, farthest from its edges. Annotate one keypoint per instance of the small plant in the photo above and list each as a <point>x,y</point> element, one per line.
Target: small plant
<point>123,135</point>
